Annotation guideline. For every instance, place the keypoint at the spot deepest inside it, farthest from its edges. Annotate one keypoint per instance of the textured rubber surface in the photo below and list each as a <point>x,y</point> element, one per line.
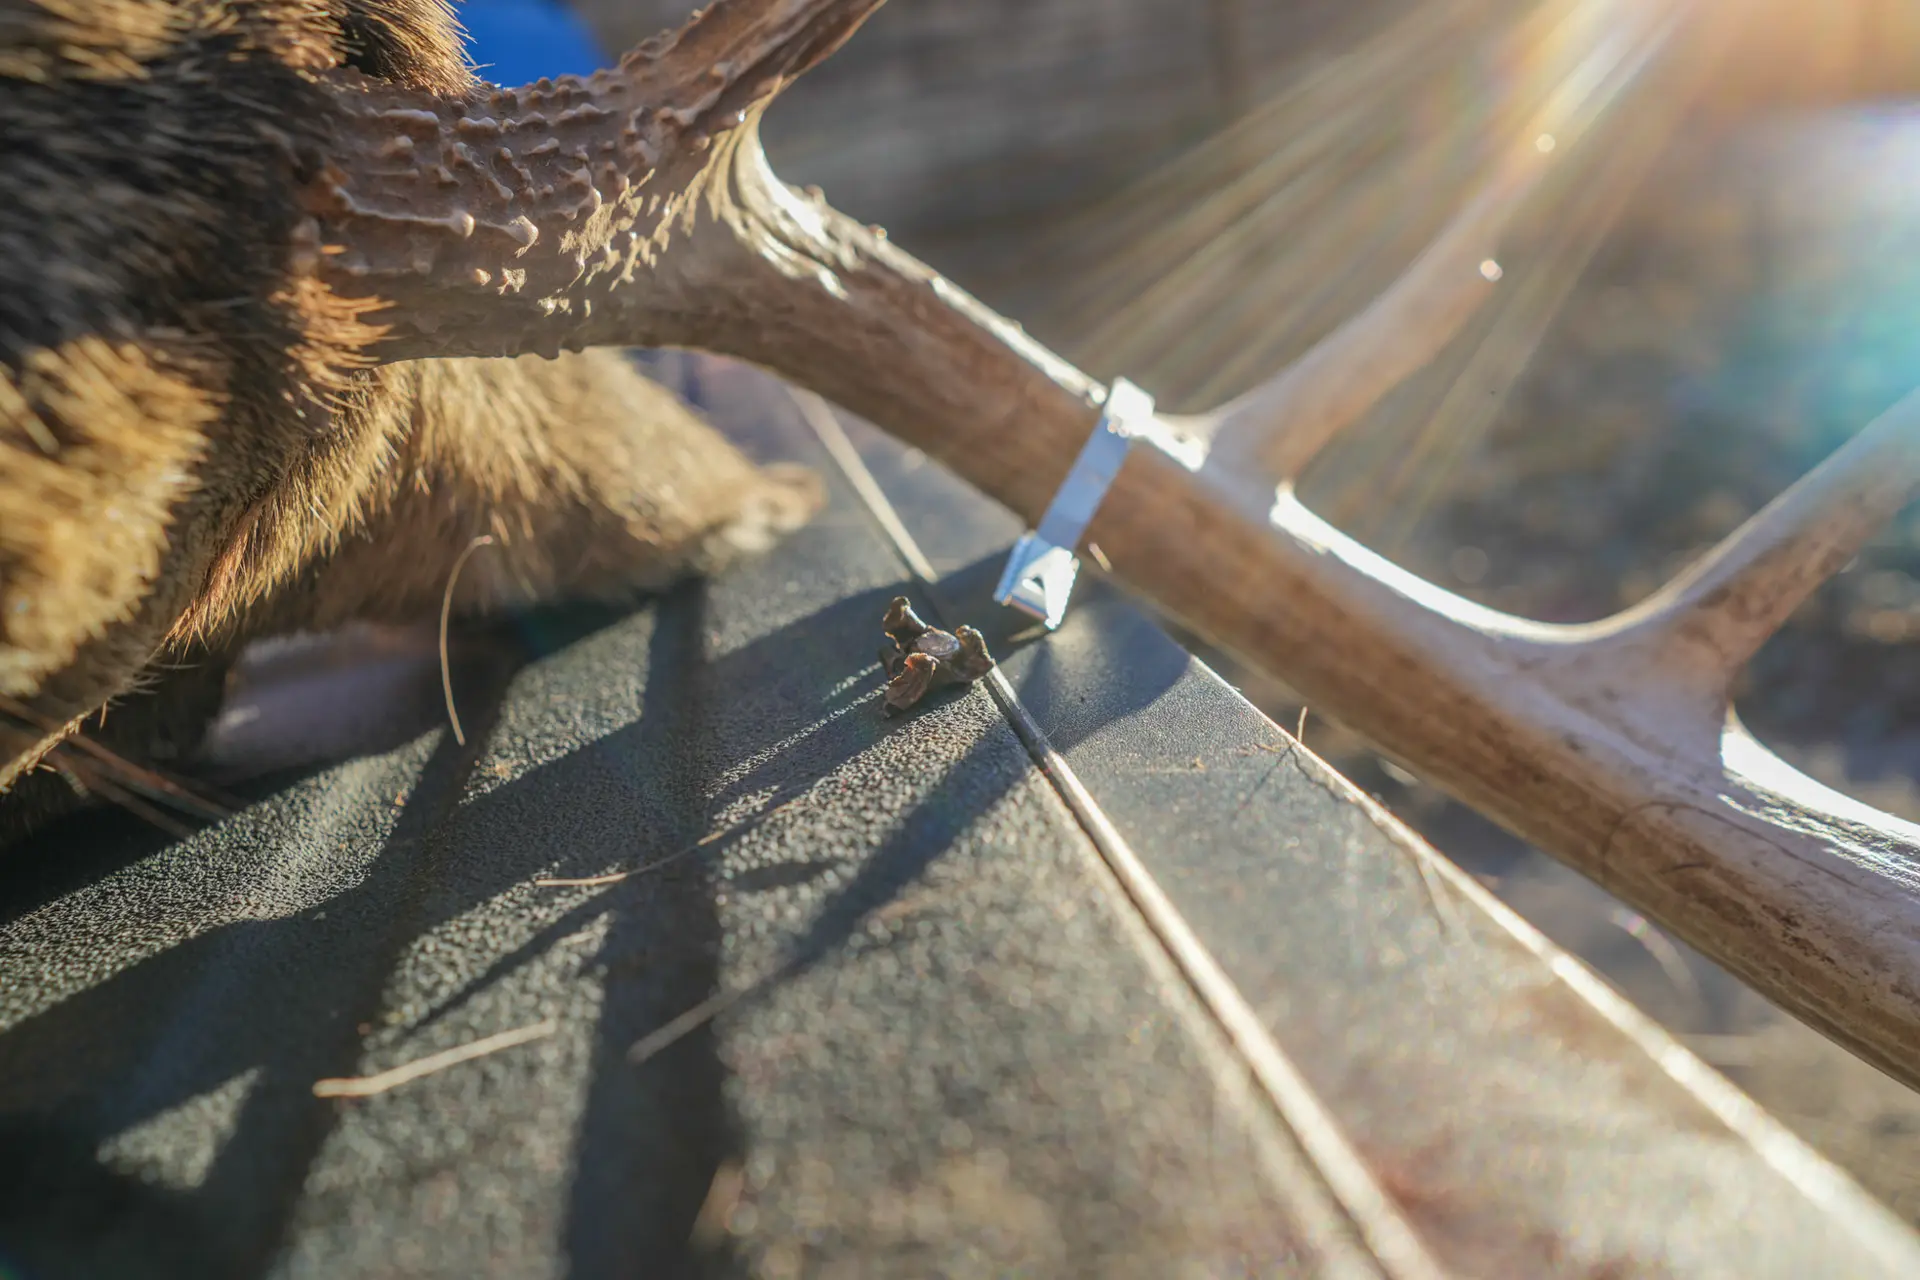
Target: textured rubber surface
<point>929,1033</point>
<point>959,1054</point>
<point>1522,1129</point>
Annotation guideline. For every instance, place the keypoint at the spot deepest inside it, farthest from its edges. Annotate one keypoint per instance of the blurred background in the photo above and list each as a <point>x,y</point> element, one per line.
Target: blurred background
<point>1724,284</point>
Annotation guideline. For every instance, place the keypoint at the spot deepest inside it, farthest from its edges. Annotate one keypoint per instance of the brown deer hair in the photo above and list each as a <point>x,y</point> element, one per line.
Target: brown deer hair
<point>195,446</point>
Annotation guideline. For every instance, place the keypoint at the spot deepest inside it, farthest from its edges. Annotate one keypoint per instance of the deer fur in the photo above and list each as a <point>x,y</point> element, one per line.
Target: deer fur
<point>193,451</point>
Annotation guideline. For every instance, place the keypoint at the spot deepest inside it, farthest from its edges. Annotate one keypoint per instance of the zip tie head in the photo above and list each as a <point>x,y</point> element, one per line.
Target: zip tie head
<point>1041,570</point>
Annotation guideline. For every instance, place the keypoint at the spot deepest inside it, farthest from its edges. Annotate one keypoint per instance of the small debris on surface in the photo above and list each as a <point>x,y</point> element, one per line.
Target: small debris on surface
<point>716,1214</point>
<point>368,1086</point>
<point>922,657</point>
<point>615,877</point>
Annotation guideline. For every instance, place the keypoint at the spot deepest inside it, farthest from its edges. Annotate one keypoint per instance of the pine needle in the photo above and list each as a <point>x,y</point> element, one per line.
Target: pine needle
<point>368,1086</point>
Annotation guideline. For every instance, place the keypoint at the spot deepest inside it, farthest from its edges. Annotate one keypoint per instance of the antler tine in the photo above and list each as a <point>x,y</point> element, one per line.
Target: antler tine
<point>1488,706</point>
<point>1284,423</point>
<point>1713,618</point>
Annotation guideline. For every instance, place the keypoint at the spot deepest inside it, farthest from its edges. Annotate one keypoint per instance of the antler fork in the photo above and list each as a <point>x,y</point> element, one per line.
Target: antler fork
<point>636,207</point>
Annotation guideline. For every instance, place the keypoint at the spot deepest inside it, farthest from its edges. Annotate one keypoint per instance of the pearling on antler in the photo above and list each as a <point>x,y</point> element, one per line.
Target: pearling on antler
<point>636,207</point>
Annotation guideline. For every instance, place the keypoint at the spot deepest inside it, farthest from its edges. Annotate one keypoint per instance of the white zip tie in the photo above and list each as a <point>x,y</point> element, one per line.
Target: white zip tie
<point>1041,570</point>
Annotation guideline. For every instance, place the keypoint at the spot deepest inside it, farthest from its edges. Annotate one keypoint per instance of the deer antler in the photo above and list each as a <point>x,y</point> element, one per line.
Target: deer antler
<point>538,218</point>
<point>637,207</point>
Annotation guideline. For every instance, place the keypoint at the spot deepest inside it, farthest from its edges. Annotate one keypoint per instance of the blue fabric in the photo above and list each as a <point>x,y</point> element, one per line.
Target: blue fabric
<point>515,41</point>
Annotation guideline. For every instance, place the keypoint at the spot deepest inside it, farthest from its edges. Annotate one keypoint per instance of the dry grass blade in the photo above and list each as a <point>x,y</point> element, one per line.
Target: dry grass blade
<point>1660,947</point>
<point>115,777</point>
<point>368,1086</point>
<point>655,1043</point>
<point>446,616</point>
<point>716,1212</point>
<point>87,778</point>
<point>678,855</point>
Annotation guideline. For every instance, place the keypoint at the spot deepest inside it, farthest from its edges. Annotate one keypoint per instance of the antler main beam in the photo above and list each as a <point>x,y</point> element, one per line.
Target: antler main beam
<point>552,215</point>
<point>650,217</point>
